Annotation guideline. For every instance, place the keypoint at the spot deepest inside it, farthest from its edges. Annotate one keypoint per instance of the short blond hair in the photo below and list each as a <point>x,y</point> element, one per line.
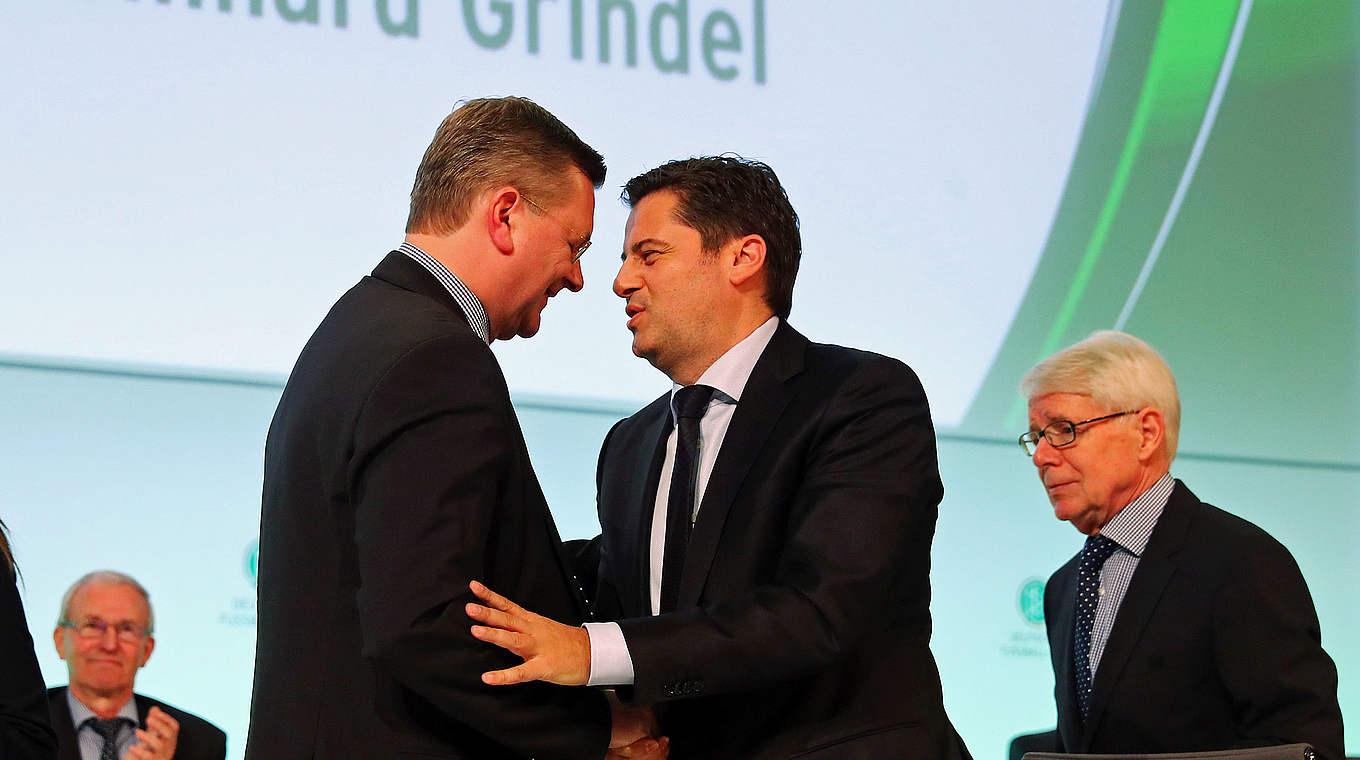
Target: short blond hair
<point>1116,370</point>
<point>490,142</point>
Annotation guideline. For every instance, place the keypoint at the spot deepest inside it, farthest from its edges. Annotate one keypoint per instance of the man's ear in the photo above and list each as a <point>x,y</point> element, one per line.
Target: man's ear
<point>59,639</point>
<point>1152,430</point>
<point>149,645</point>
<point>496,207</point>
<point>747,259</point>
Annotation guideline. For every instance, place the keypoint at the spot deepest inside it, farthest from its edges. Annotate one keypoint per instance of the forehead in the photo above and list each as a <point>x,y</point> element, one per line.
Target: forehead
<point>580,204</point>
<point>108,601</point>
<point>1061,406</point>
<point>654,216</point>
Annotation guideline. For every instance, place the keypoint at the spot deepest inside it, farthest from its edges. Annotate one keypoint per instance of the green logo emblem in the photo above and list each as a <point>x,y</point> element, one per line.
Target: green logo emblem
<point>1032,601</point>
<point>252,562</point>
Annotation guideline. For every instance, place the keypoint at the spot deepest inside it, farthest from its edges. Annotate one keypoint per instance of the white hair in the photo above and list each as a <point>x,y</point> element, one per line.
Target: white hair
<point>1117,371</point>
<point>110,578</point>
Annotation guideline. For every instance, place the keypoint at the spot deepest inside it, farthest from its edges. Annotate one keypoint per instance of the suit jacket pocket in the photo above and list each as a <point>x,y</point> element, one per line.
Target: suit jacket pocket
<point>894,740</point>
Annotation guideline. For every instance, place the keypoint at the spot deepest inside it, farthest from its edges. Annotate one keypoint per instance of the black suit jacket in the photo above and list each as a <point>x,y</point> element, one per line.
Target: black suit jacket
<point>803,622</point>
<point>395,473</point>
<point>25,728</point>
<point>198,739</point>
<point>1215,646</point>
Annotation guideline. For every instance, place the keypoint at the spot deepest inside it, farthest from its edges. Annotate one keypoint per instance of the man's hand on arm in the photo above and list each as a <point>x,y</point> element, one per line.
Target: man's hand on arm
<point>558,654</point>
<point>552,652</point>
<point>157,741</point>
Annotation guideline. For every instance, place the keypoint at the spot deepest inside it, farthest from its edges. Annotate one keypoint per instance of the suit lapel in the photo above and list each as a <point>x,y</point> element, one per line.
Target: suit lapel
<point>1155,568</point>
<point>143,707</point>
<point>763,399</point>
<point>632,483</point>
<point>68,740</point>
<point>1061,647</point>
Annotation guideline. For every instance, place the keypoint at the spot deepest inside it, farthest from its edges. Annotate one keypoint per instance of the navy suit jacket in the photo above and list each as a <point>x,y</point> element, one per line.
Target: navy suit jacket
<point>1216,646</point>
<point>803,624</point>
<point>395,472</point>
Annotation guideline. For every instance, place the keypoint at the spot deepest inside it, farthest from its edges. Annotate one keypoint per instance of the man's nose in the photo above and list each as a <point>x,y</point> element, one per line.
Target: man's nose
<point>624,282</point>
<point>108,640</point>
<point>576,278</point>
<point>1045,454</point>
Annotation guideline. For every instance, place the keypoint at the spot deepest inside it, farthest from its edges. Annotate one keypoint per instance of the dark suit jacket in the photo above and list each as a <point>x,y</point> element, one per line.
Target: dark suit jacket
<point>25,729</point>
<point>395,473</point>
<point>198,739</point>
<point>1215,646</point>
<point>803,622</point>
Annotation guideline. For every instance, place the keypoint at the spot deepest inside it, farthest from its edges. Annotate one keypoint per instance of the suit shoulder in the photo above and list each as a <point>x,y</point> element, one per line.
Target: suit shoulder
<point>831,360</point>
<point>1231,531</point>
<point>190,725</point>
<point>642,417</point>
<point>1224,550</point>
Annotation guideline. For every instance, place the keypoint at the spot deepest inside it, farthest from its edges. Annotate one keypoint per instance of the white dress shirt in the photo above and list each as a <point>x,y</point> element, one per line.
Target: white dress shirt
<point>610,662</point>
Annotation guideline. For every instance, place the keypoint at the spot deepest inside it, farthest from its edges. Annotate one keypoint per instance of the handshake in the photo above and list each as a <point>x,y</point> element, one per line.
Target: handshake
<point>634,733</point>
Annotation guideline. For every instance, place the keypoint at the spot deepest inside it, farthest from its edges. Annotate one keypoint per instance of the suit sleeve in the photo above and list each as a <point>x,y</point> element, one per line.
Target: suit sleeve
<point>1268,647</point>
<point>433,450</point>
<point>605,602</point>
<point>856,555</point>
<point>25,727</point>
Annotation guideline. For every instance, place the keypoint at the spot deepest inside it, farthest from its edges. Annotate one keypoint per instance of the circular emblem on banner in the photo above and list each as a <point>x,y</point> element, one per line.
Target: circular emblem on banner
<point>252,562</point>
<point>1031,601</point>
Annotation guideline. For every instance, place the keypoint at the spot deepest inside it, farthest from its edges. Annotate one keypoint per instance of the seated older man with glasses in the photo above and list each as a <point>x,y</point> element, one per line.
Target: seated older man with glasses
<point>104,635</point>
<point>1178,627</point>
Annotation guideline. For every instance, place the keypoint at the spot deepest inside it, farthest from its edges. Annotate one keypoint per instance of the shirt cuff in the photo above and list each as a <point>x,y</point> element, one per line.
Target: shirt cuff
<point>610,663</point>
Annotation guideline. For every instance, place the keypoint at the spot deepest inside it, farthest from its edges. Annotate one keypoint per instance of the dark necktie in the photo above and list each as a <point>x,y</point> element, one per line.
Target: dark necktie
<point>108,728</point>
<point>1098,549</point>
<point>690,404</point>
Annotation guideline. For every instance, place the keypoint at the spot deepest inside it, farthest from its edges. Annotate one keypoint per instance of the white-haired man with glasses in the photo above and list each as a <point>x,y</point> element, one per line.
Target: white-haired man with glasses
<point>1178,627</point>
<point>104,634</point>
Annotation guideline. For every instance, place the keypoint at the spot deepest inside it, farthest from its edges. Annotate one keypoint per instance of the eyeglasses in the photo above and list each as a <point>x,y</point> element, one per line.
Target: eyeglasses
<point>577,251</point>
<point>94,628</point>
<point>1061,433</point>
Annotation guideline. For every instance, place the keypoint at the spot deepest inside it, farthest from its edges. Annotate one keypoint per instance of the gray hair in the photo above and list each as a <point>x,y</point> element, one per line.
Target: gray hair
<point>110,578</point>
<point>1116,370</point>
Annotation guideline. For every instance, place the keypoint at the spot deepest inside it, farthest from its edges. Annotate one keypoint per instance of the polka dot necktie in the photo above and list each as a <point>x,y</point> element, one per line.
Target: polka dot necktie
<point>1098,549</point>
<point>108,728</point>
<point>690,404</point>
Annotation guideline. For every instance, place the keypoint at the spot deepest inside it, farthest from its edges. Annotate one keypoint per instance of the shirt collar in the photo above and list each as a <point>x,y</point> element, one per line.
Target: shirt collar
<point>80,713</point>
<point>728,375</point>
<point>1132,526</point>
<point>467,300</point>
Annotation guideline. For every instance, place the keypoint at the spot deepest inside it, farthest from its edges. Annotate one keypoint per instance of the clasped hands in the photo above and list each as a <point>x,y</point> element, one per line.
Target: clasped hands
<point>558,654</point>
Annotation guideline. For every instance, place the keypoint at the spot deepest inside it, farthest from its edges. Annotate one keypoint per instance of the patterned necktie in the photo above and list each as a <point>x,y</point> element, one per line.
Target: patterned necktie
<point>690,404</point>
<point>1098,549</point>
<point>108,728</point>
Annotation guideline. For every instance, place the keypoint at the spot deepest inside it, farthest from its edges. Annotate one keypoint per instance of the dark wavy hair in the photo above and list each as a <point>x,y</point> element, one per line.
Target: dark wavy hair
<point>726,197</point>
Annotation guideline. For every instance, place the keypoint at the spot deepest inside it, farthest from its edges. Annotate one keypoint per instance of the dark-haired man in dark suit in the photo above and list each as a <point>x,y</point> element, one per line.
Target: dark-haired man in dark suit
<point>767,523</point>
<point>1178,627</point>
<point>105,636</point>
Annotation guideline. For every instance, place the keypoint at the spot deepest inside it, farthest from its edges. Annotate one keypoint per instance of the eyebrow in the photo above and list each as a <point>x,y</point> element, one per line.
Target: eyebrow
<point>644,243</point>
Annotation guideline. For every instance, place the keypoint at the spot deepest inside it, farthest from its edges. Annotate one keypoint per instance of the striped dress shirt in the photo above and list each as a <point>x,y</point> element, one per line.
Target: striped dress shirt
<point>1130,529</point>
<point>90,743</point>
<point>467,300</point>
